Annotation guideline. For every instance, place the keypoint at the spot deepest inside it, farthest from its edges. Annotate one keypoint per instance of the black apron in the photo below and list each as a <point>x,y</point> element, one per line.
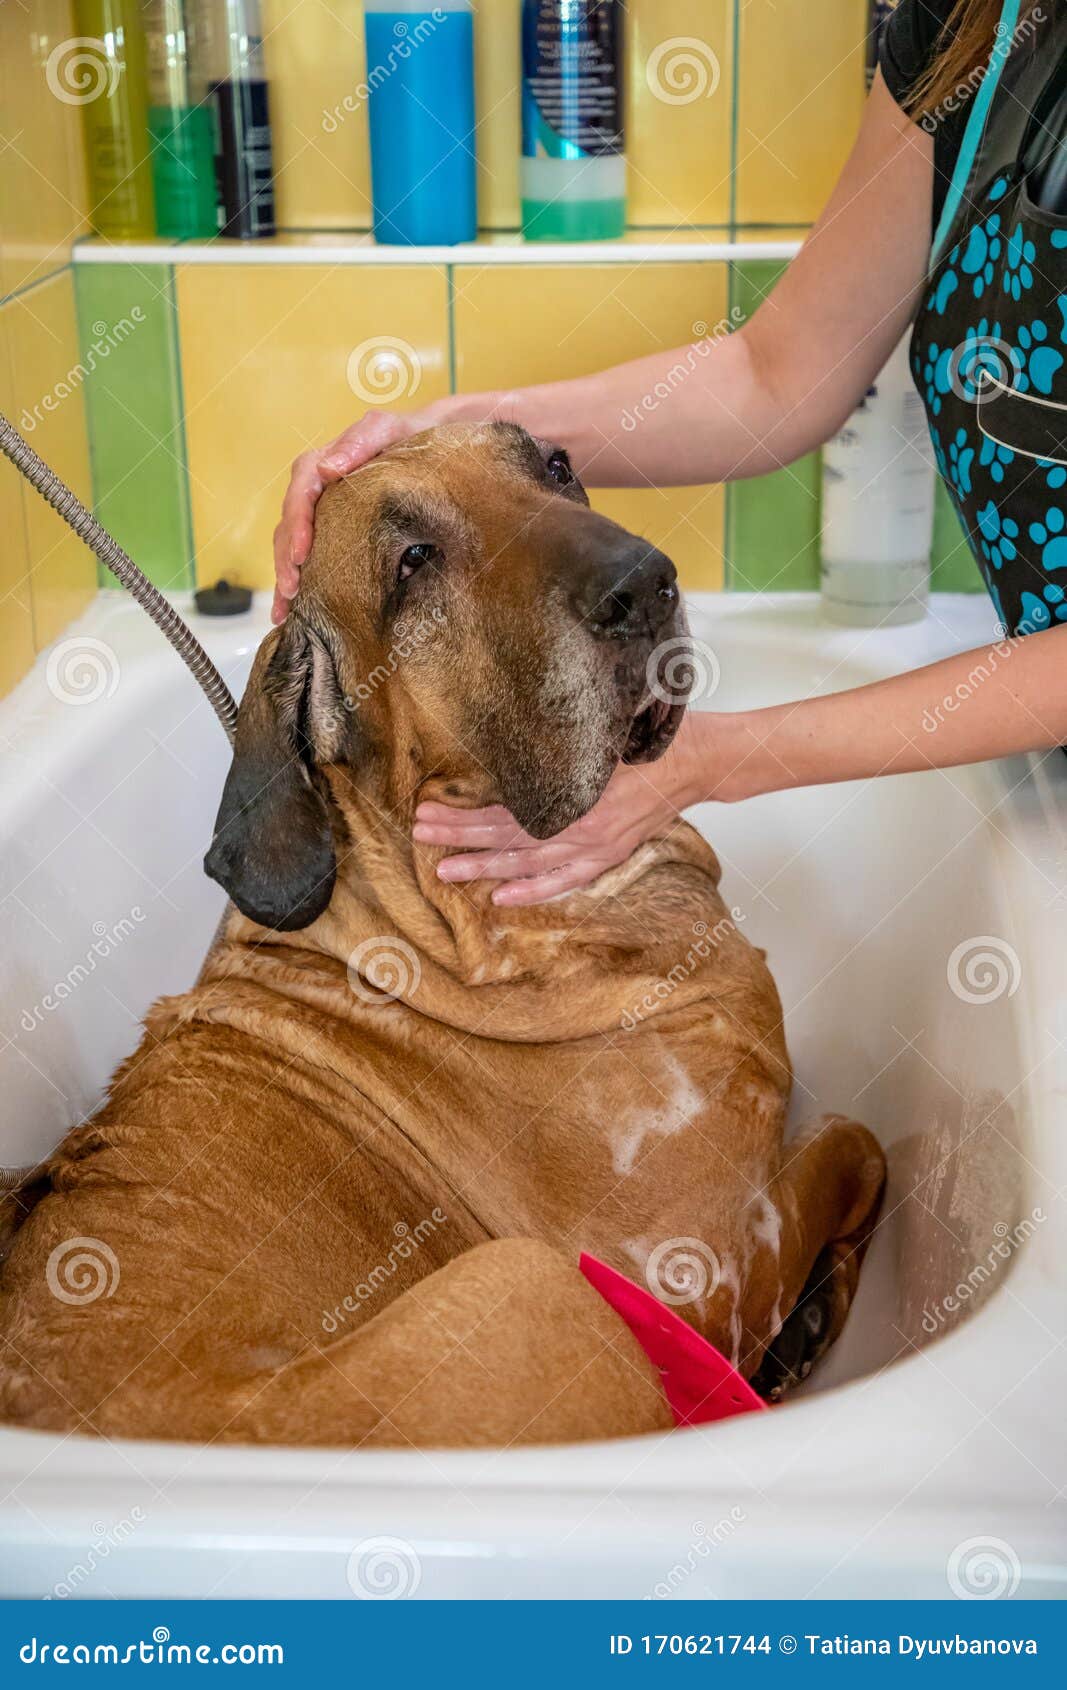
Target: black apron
<point>989,348</point>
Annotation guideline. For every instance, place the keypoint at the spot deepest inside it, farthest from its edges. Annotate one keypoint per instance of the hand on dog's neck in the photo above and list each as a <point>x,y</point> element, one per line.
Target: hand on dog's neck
<point>561,970</point>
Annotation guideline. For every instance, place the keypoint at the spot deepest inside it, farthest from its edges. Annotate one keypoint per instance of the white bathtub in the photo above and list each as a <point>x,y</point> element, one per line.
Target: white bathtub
<point>927,1455</point>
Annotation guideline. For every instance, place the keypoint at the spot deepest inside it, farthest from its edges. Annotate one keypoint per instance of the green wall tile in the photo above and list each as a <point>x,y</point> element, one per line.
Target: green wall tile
<point>953,568</point>
<point>772,521</point>
<point>127,323</point>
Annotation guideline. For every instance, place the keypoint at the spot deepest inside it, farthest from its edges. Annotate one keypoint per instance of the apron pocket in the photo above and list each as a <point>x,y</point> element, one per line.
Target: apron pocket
<point>1035,428</point>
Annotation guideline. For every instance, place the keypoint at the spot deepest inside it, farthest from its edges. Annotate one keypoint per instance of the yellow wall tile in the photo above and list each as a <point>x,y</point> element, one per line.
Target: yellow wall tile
<point>498,105</point>
<point>48,408</point>
<point>801,99</point>
<point>316,59</point>
<point>546,322</point>
<point>678,120</point>
<point>16,611</point>
<point>279,358</point>
<point>42,174</point>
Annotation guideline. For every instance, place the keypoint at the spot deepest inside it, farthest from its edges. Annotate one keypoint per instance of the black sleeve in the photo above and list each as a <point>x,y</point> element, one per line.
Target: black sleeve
<point>909,42</point>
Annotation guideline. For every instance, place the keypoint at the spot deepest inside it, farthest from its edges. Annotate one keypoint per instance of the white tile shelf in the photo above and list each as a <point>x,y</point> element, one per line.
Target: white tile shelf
<point>640,246</point>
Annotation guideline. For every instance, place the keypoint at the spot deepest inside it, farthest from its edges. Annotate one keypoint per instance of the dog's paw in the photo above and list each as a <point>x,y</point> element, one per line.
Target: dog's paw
<point>807,1333</point>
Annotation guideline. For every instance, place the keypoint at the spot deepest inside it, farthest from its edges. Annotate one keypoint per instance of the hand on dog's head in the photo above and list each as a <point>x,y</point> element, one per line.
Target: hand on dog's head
<point>463,613</point>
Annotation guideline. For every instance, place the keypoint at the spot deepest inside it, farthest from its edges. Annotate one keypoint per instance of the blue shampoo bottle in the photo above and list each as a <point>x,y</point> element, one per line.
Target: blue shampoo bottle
<point>420,96</point>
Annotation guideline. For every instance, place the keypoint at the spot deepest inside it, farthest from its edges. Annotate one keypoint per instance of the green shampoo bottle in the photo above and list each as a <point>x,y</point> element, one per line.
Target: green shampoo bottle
<point>106,77</point>
<point>180,126</point>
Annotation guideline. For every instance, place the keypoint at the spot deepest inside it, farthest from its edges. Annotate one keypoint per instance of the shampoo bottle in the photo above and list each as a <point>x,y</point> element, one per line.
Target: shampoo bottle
<point>573,164</point>
<point>180,126</point>
<point>878,481</point>
<point>420,98</point>
<point>104,73</point>
<point>226,60</point>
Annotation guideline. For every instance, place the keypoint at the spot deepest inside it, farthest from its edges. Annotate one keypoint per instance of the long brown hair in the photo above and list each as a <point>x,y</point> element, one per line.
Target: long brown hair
<point>963,48</point>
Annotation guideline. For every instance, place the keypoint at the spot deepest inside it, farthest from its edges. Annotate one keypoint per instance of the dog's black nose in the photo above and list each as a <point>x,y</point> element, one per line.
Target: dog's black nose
<point>628,593</point>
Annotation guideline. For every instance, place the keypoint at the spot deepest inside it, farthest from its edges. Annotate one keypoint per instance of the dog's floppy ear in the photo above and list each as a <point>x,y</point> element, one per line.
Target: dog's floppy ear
<point>273,848</point>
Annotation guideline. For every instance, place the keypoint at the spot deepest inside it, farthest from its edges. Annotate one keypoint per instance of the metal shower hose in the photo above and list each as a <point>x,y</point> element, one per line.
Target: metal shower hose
<point>121,565</point>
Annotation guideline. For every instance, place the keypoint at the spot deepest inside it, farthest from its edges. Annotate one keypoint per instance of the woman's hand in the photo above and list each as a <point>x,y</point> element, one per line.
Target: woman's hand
<point>639,803</point>
<point>314,470</point>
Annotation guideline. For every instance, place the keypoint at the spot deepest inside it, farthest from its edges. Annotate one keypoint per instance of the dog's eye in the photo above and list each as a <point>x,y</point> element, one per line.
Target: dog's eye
<point>558,469</point>
<point>417,557</point>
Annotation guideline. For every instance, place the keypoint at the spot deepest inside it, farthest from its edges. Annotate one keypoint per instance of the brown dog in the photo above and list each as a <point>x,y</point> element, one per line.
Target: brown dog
<point>339,1193</point>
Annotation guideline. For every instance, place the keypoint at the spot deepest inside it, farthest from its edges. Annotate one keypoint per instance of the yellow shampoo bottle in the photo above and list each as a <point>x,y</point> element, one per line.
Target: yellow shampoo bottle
<point>103,71</point>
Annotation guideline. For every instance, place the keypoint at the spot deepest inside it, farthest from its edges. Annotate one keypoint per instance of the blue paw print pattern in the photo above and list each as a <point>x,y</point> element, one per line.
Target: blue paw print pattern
<point>1037,613</point>
<point>947,284</point>
<point>1037,361</point>
<point>981,253</point>
<point>995,458</point>
<point>946,287</point>
<point>999,188</point>
<point>998,535</point>
<point>960,459</point>
<point>1050,536</point>
<point>939,452</point>
<point>937,376</point>
<point>1021,253</point>
<point>982,349</point>
<point>1059,238</point>
<point>1055,474</point>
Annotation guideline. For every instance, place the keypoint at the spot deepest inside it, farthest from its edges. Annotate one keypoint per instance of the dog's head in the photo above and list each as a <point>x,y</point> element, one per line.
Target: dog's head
<point>463,613</point>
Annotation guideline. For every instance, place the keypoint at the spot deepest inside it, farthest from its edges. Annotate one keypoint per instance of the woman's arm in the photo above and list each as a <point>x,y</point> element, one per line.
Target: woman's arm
<point>740,404</point>
<point>992,702</point>
<point>737,404</point>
